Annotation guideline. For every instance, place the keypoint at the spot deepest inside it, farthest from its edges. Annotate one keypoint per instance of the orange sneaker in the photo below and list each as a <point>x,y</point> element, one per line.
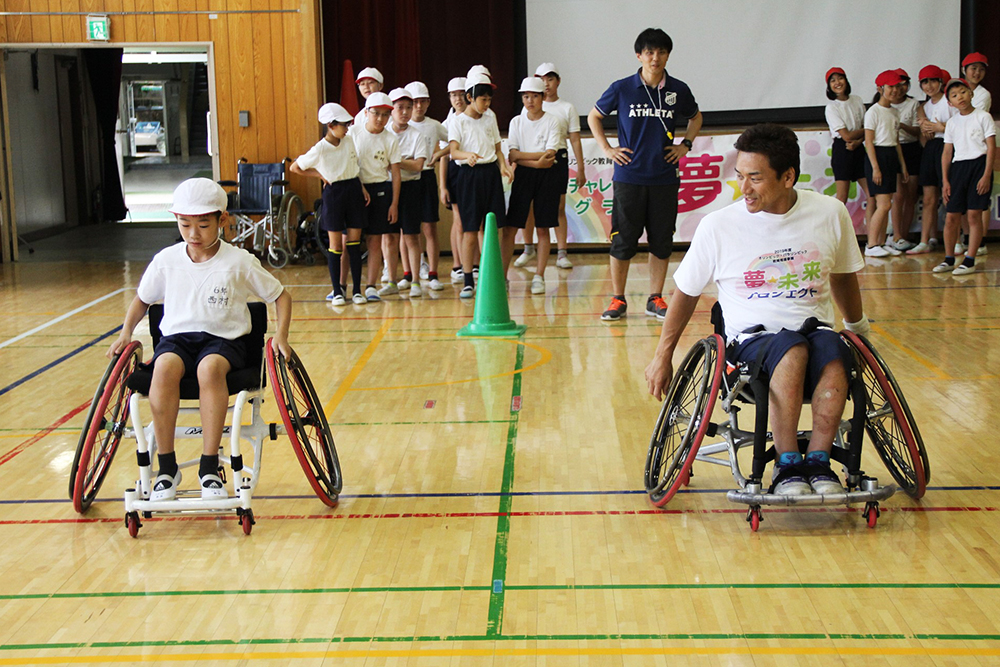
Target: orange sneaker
<point>615,311</point>
<point>656,307</point>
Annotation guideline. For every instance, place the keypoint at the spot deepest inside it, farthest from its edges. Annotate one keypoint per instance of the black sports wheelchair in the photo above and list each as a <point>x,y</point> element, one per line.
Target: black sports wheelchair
<point>705,376</point>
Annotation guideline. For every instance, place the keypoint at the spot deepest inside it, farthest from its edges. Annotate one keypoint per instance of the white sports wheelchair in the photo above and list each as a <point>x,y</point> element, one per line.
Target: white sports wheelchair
<point>115,413</point>
<point>704,376</point>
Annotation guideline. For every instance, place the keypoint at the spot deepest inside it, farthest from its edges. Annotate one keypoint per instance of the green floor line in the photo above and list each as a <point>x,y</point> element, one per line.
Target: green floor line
<point>494,622</point>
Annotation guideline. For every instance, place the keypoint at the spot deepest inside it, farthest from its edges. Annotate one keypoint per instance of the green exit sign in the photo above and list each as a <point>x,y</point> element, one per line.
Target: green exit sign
<point>98,28</point>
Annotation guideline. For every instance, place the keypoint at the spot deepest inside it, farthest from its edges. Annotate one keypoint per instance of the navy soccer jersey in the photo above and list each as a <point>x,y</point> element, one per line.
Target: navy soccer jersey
<point>646,120</point>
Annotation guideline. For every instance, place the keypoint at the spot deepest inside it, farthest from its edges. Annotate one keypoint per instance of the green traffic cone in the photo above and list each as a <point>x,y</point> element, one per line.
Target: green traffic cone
<point>492,314</point>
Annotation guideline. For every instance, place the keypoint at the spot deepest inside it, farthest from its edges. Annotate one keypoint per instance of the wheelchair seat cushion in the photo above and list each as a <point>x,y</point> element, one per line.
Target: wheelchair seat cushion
<point>248,379</point>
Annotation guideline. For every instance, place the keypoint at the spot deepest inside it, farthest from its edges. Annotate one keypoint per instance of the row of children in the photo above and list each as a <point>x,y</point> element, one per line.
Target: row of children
<point>944,145</point>
<point>378,171</point>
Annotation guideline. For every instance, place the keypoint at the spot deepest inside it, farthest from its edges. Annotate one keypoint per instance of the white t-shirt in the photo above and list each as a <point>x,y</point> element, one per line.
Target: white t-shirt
<point>771,269</point>
<point>846,114</point>
<point>375,153</point>
<point>565,112</point>
<point>435,131</point>
<point>907,110</point>
<point>475,135</point>
<point>939,113</point>
<point>535,136</point>
<point>885,122</point>
<point>413,145</point>
<point>969,134</point>
<point>334,163</point>
<point>206,296</point>
<point>981,99</point>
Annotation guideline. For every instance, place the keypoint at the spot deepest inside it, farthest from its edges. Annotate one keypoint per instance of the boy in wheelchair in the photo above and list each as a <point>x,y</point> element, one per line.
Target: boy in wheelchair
<point>779,258</point>
<point>204,284</point>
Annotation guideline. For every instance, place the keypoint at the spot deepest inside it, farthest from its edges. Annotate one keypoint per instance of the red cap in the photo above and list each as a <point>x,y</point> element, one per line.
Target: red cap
<point>834,70</point>
<point>902,73</point>
<point>931,72</point>
<point>945,76</point>
<point>975,58</point>
<point>888,78</point>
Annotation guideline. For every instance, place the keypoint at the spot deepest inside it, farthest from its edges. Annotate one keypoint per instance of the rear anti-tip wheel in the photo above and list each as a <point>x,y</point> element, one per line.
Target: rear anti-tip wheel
<point>132,523</point>
<point>754,518</point>
<point>684,419</point>
<point>247,521</point>
<point>871,514</point>
<point>305,423</point>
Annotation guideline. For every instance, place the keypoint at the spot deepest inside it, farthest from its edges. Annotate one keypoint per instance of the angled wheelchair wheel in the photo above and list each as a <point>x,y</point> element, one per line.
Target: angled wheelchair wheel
<point>289,212</point>
<point>319,234</point>
<point>684,419</point>
<point>302,413</point>
<point>102,432</point>
<point>889,422</point>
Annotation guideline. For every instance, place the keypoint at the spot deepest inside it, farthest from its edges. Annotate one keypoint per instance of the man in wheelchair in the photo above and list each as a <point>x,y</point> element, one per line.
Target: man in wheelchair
<point>204,284</point>
<point>779,259</point>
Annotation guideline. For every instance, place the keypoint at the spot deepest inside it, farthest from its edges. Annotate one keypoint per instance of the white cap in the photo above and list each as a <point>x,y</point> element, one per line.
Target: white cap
<point>476,79</point>
<point>331,111</point>
<point>378,100</point>
<point>370,73</point>
<point>478,69</point>
<point>546,68</point>
<point>532,84</point>
<point>418,89</point>
<point>457,85</point>
<point>397,94</point>
<point>198,196</point>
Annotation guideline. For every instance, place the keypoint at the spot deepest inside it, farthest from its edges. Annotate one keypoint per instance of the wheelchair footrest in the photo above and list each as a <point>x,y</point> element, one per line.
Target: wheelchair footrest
<point>846,498</point>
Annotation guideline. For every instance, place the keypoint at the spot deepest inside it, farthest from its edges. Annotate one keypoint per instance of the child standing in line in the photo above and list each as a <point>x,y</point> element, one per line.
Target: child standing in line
<point>378,157</point>
<point>967,173</point>
<point>475,147</point>
<point>335,162</point>
<point>932,116</point>
<point>904,200</point>
<point>974,70</point>
<point>885,158</point>
<point>415,150</point>
<point>845,114</point>
<point>446,178</point>
<point>369,81</point>
<point>534,140</point>
<point>437,136</point>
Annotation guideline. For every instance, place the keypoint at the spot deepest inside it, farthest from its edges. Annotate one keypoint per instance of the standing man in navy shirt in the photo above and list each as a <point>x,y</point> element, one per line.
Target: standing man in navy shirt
<point>646,158</point>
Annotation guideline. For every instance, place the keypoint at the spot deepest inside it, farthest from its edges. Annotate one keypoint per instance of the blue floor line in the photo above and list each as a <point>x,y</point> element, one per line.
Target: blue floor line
<point>53,364</point>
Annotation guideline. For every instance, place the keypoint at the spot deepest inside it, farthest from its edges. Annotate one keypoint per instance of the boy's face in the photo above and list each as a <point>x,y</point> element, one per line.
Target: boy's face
<point>653,59</point>
<point>457,99</point>
<point>482,103</point>
<point>551,85</point>
<point>532,101</point>
<point>960,97</point>
<point>975,73</point>
<point>894,94</point>
<point>931,87</point>
<point>338,130</point>
<point>368,86</point>
<point>402,110</point>
<point>377,119</point>
<point>201,231</point>
<point>420,106</point>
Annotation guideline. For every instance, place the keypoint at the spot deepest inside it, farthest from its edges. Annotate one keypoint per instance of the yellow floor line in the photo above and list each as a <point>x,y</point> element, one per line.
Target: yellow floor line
<point>359,366</point>
<point>920,359</point>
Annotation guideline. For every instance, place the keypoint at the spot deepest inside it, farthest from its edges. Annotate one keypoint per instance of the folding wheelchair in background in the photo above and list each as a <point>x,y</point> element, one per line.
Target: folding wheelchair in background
<point>115,413</point>
<point>686,419</point>
<point>261,191</point>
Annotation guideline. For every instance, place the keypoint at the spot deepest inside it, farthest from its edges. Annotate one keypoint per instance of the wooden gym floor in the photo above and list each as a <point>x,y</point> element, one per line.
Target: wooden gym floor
<point>493,511</point>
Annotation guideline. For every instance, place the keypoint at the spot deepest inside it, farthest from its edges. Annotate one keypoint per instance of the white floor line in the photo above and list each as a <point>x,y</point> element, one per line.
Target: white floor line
<point>60,318</point>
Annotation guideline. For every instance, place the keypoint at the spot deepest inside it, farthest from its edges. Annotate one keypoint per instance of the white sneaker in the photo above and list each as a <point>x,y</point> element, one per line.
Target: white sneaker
<point>403,284</point>
<point>338,300</point>
<point>563,262</point>
<point>919,249</point>
<point>467,292</point>
<point>475,273</point>
<point>389,288</point>
<point>425,268</point>
<point>982,251</point>
<point>538,285</point>
<point>904,245</point>
<point>526,256</point>
<point>876,251</point>
<point>165,487</point>
<point>943,267</point>
<point>372,294</point>
<point>385,273</point>
<point>359,299</point>
<point>793,485</point>
<point>960,249</point>
<point>212,488</point>
<point>891,249</point>
<point>436,285</point>
<point>963,270</point>
<point>330,296</point>
<point>415,290</point>
<point>457,276</point>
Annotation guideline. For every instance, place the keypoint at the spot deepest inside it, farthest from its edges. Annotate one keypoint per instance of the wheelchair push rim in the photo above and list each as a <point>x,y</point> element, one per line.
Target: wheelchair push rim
<point>305,423</point>
<point>103,430</point>
<point>889,422</point>
<point>684,419</point>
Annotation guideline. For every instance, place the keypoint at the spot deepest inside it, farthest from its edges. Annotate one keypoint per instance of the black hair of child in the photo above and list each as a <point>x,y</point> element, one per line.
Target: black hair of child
<point>830,95</point>
<point>479,90</point>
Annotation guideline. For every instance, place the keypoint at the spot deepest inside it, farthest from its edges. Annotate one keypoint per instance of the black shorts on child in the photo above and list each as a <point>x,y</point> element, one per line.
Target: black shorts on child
<point>888,164</point>
<point>343,206</point>
<point>561,168</point>
<point>409,207</point>
<point>913,153</point>
<point>964,176</point>
<point>192,347</point>
<point>930,163</point>
<point>428,196</point>
<point>541,187</point>
<point>378,209</point>
<point>480,191</point>
<point>450,180</point>
<point>638,208</point>
<point>847,165</point>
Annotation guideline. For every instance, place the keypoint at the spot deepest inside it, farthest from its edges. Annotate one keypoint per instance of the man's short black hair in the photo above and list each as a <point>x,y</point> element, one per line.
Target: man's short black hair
<point>653,38</point>
<point>479,90</point>
<point>778,143</point>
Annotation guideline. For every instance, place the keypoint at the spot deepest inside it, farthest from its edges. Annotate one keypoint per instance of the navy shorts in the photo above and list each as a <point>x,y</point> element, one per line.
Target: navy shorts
<point>541,187</point>
<point>963,177</point>
<point>409,208</point>
<point>428,196</point>
<point>378,209</point>
<point>930,163</point>
<point>825,346</point>
<point>194,346</point>
<point>847,165</point>
<point>343,206</point>
<point>888,164</point>
<point>913,153</point>
<point>480,191</point>
<point>635,208</point>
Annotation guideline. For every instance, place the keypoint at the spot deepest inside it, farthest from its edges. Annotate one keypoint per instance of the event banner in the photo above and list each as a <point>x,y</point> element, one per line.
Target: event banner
<point>708,183</point>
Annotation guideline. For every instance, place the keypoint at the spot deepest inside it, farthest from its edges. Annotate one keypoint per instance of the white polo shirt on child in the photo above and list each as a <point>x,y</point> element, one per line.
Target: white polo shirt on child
<point>846,114</point>
<point>969,134</point>
<point>436,133</point>
<point>535,136</point>
<point>206,296</point>
<point>413,145</point>
<point>907,110</point>
<point>884,121</point>
<point>375,153</point>
<point>334,163</point>
<point>939,112</point>
<point>475,135</point>
<point>565,112</point>
<point>981,99</point>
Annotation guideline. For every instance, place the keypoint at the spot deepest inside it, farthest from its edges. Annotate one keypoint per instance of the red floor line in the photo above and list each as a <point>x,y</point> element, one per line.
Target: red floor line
<point>41,434</point>
<point>465,515</point>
